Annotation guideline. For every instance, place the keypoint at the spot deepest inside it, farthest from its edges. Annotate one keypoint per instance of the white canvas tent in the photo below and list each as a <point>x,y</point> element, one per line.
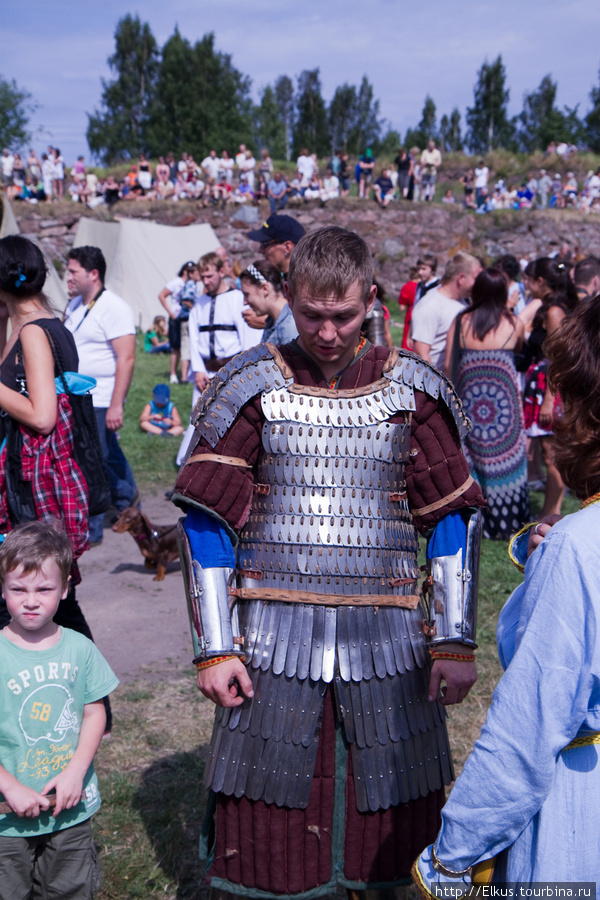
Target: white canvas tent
<point>53,287</point>
<point>141,257</point>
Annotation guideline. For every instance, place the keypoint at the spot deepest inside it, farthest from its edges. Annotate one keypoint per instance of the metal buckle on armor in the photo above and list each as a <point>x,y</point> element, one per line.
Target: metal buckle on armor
<point>251,573</point>
<point>395,496</point>
<point>263,489</point>
<point>428,630</point>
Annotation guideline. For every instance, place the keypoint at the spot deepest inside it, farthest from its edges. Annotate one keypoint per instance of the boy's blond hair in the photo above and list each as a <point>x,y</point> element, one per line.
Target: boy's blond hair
<point>30,545</point>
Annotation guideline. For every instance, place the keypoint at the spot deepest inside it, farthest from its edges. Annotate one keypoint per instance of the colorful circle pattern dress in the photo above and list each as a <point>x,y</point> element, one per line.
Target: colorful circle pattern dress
<point>495,447</point>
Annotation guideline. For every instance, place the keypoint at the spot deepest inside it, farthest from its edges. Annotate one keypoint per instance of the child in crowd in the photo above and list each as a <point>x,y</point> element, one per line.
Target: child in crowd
<point>53,720</point>
<point>160,416</point>
<point>156,340</point>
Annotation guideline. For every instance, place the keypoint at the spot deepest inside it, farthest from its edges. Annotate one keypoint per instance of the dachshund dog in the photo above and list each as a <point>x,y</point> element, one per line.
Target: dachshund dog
<point>157,543</point>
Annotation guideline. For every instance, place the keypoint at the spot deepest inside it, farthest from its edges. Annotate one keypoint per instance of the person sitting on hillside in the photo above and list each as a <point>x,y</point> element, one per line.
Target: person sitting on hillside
<point>277,192</point>
<point>160,415</point>
<point>383,189</point>
<point>156,339</point>
<point>330,189</point>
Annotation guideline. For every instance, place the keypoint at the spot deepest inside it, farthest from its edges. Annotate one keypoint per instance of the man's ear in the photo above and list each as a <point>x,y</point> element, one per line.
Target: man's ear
<point>288,295</point>
<point>371,297</point>
<point>289,246</point>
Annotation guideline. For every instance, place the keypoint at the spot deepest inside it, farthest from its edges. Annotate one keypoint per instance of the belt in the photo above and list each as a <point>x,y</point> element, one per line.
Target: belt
<point>584,741</point>
<point>216,363</point>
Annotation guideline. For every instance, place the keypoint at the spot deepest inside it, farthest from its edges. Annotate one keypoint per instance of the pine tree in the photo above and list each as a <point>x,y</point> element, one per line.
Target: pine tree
<point>368,126</point>
<point>118,130</point>
<point>284,94</point>
<point>202,101</point>
<point>592,120</point>
<point>487,120</point>
<point>269,126</point>
<point>342,116</point>
<point>311,118</point>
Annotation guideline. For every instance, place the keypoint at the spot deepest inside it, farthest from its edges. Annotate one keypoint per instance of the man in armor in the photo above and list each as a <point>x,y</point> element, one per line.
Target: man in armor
<point>319,461</point>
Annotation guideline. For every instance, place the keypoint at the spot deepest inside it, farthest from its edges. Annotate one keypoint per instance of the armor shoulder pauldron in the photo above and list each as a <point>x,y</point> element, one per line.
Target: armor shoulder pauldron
<point>407,370</point>
<point>259,369</point>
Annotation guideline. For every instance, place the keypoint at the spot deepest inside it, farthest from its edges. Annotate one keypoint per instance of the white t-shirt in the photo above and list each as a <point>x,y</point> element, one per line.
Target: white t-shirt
<point>211,166</point>
<point>109,318</point>
<point>481,177</point>
<point>306,166</point>
<point>431,321</point>
<point>228,311</point>
<point>7,163</point>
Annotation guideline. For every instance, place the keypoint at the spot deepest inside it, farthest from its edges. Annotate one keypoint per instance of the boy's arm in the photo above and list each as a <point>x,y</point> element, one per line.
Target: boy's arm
<point>69,784</point>
<point>23,800</point>
<point>175,417</point>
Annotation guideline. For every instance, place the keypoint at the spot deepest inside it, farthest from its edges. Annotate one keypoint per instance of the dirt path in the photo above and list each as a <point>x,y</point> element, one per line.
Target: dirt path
<point>140,625</point>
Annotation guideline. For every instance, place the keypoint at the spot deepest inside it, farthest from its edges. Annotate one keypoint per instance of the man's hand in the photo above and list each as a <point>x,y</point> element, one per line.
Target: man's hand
<point>114,417</point>
<point>69,788</point>
<point>201,379</point>
<point>226,684</point>
<point>537,534</point>
<point>459,677</point>
<point>24,801</point>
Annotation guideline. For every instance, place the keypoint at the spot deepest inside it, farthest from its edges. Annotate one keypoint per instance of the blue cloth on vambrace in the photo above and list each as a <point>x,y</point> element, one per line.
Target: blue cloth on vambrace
<point>210,543</point>
<point>449,536</point>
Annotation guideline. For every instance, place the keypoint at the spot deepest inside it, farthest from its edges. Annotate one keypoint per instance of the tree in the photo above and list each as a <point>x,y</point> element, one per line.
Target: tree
<point>284,94</point>
<point>202,101</point>
<point>342,116</point>
<point>427,128</point>
<point>270,128</point>
<point>450,136</point>
<point>118,130</point>
<point>542,122</point>
<point>487,120</point>
<point>311,118</point>
<point>15,108</point>
<point>428,125</point>
<point>592,120</point>
<point>367,128</point>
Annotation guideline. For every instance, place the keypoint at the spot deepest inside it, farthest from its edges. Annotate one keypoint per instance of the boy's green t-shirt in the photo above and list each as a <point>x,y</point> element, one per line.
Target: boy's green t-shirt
<point>42,695</point>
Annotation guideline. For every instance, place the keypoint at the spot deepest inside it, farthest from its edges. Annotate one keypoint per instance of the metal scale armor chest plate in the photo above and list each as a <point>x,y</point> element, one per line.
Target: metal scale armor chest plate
<point>333,524</point>
<point>329,529</point>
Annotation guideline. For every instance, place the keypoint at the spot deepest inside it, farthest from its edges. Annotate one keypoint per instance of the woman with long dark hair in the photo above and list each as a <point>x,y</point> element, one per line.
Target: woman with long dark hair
<point>549,281</point>
<point>39,477</point>
<point>528,794</point>
<point>484,339</point>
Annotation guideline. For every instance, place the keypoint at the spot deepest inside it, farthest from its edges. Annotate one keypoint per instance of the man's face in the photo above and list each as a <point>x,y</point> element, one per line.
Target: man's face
<point>277,253</point>
<point>79,280</point>
<point>424,272</point>
<point>211,276</point>
<point>466,280</point>
<point>329,327</point>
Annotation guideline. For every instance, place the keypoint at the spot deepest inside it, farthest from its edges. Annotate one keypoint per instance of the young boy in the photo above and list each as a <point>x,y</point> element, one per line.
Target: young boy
<point>52,681</point>
<point>160,416</point>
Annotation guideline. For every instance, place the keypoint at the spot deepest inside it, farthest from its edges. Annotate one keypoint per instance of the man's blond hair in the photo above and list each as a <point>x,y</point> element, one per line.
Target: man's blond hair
<point>459,264</point>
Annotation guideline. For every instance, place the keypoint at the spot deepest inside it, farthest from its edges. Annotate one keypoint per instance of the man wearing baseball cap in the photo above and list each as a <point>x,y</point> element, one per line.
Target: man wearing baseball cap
<point>278,237</point>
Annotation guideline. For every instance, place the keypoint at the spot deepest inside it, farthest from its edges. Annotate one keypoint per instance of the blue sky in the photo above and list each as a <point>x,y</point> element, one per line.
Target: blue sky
<point>58,50</point>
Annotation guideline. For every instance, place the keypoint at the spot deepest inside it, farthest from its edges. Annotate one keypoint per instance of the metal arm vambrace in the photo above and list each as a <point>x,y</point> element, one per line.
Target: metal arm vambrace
<point>213,614</point>
<point>451,590</point>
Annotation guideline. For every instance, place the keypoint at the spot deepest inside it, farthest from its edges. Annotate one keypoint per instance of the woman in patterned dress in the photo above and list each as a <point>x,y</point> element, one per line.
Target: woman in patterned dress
<point>487,383</point>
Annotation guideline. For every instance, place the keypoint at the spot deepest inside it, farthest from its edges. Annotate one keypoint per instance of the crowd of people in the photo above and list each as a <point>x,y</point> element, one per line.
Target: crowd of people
<point>240,179</point>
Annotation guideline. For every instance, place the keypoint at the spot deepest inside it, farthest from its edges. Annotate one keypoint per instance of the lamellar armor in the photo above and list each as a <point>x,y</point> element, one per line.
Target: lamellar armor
<point>327,585</point>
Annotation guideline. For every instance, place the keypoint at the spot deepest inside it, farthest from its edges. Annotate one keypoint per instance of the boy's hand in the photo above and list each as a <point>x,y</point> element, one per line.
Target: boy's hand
<point>69,788</point>
<point>24,801</point>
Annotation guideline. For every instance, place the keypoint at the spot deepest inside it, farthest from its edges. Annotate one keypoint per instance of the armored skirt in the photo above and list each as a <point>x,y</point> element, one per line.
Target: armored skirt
<point>334,772</point>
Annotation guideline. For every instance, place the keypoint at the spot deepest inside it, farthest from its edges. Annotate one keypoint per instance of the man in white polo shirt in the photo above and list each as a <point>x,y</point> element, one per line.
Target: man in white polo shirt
<point>436,312</point>
<point>103,326</point>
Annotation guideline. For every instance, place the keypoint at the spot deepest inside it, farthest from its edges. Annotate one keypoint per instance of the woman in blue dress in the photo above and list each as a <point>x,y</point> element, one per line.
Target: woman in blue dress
<point>528,795</point>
